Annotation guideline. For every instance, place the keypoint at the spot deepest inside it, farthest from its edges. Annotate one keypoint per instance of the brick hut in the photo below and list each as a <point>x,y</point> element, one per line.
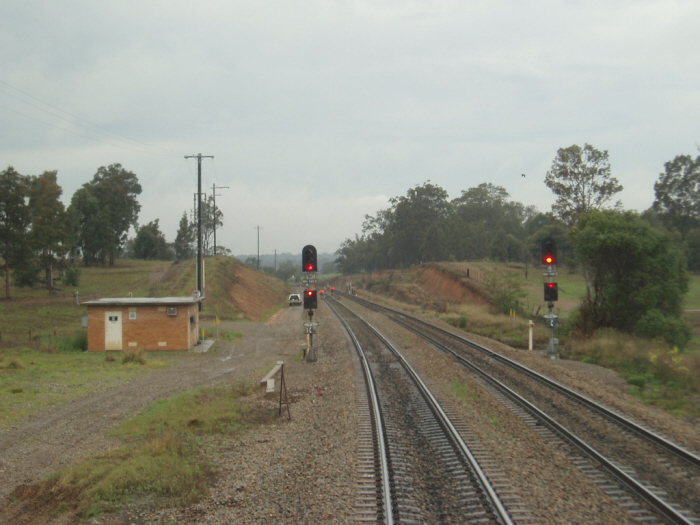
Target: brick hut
<point>143,323</point>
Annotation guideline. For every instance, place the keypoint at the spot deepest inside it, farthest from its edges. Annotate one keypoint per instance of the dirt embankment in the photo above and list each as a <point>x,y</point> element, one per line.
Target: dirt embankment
<point>431,286</point>
<point>449,286</point>
<point>256,294</point>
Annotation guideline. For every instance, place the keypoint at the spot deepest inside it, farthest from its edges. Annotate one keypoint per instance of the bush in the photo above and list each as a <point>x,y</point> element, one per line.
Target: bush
<point>506,292</point>
<point>638,380</point>
<point>27,275</point>
<point>655,325</point>
<point>134,356</point>
<point>72,277</point>
<point>77,343</point>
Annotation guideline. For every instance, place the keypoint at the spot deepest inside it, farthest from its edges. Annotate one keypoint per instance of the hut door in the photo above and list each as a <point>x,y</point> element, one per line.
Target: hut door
<point>113,330</point>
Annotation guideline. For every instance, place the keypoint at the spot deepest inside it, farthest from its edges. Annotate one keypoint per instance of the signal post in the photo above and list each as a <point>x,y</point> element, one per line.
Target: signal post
<point>551,291</point>
<point>309,267</point>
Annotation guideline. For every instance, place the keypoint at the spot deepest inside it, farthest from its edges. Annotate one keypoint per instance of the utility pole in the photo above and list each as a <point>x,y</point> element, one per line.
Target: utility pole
<point>213,196</point>
<point>199,157</point>
<point>258,228</point>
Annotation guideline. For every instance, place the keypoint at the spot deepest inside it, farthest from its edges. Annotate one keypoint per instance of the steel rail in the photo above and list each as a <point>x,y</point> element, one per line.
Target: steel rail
<point>380,439</point>
<point>630,425</point>
<point>493,498</point>
<point>663,507</point>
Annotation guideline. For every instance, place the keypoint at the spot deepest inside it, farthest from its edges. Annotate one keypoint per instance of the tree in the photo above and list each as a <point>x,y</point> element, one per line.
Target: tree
<point>692,249</point>
<point>14,221</point>
<point>361,254</point>
<point>410,221</point>
<point>186,232</point>
<point>49,230</point>
<point>581,180</point>
<point>678,194</point>
<point>106,208</point>
<point>638,276</point>
<point>150,243</point>
<point>212,219</point>
<point>89,222</point>
<point>489,217</point>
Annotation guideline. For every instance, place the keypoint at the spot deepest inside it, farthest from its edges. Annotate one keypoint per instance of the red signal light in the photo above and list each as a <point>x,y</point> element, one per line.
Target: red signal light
<point>310,299</point>
<point>309,259</point>
<point>548,259</point>
<point>551,292</point>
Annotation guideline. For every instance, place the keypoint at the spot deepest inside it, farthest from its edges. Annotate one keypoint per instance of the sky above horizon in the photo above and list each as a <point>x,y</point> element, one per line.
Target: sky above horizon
<point>319,112</point>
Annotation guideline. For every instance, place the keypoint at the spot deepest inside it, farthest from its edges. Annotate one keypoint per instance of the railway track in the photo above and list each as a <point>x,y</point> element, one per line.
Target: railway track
<point>423,470</point>
<point>630,462</point>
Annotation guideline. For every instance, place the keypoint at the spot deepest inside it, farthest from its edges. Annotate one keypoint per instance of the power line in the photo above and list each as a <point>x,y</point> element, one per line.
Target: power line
<point>112,135</point>
<point>94,139</point>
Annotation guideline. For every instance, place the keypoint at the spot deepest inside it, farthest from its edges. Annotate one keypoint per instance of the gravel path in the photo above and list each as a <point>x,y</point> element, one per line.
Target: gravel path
<point>304,470</point>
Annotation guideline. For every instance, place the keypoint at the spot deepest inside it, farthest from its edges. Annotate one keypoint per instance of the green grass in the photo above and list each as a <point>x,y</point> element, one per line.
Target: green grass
<point>33,378</point>
<point>464,392</point>
<point>692,300</point>
<point>657,374</point>
<point>33,312</point>
<point>161,455</point>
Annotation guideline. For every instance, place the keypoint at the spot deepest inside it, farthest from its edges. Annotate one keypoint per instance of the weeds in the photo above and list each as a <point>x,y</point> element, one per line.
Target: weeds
<point>160,455</point>
<point>134,356</point>
<point>509,330</point>
<point>46,376</point>
<point>658,374</point>
<point>12,364</point>
<point>464,392</point>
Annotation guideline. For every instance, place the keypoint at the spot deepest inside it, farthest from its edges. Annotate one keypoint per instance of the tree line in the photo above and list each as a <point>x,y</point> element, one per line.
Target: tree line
<point>635,264</point>
<point>38,233</point>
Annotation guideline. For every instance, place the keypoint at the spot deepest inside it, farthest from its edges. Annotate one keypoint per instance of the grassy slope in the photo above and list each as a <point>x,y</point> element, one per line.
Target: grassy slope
<point>36,372</point>
<point>33,312</point>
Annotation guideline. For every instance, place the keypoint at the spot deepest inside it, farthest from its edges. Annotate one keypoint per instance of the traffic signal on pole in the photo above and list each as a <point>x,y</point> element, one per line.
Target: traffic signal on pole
<point>308,259</point>
<point>310,299</point>
<point>549,252</point>
<point>551,292</point>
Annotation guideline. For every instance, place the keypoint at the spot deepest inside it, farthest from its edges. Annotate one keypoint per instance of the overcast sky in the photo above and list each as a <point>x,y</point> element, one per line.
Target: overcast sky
<point>319,112</point>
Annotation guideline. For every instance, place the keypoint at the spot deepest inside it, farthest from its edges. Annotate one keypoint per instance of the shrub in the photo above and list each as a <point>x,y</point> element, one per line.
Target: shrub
<point>72,277</point>
<point>655,325</point>
<point>506,292</point>
<point>638,380</point>
<point>77,343</point>
<point>134,356</point>
<point>27,275</point>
